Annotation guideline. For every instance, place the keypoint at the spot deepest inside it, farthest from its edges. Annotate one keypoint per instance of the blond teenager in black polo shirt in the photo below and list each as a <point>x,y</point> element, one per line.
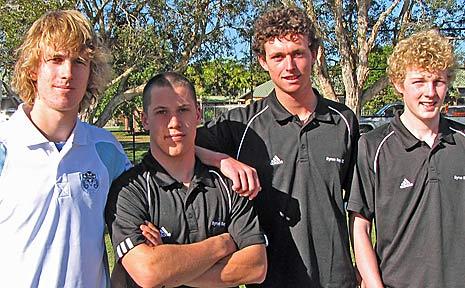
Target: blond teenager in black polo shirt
<point>302,146</point>
<point>410,178</point>
<point>206,235</point>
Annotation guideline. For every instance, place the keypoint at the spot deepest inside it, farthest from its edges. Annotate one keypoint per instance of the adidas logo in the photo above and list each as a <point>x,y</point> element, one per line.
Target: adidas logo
<point>276,161</point>
<point>405,184</point>
<point>164,233</point>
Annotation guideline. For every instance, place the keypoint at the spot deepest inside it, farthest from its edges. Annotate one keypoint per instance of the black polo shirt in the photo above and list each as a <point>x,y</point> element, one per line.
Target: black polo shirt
<point>416,195</point>
<point>207,208</point>
<point>303,170</point>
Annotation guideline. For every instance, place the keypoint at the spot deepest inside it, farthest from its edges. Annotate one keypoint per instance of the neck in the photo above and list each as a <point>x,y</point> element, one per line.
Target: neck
<point>300,104</point>
<point>424,130</point>
<point>180,168</point>
<point>56,126</point>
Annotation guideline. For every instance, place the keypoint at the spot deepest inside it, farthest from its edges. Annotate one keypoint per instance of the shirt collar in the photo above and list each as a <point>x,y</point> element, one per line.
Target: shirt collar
<point>445,133</point>
<point>321,113</point>
<point>31,136</point>
<point>409,141</point>
<point>163,179</point>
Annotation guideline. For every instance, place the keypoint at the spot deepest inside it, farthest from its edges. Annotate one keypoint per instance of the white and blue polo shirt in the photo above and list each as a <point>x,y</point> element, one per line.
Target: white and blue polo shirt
<point>52,204</point>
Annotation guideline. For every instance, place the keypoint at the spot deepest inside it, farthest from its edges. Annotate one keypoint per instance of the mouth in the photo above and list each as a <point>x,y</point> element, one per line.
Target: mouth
<point>175,137</point>
<point>63,87</point>
<point>429,105</point>
<point>291,77</point>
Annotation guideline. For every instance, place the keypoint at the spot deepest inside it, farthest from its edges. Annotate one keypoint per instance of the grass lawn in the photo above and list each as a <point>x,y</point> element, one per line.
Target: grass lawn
<point>136,150</point>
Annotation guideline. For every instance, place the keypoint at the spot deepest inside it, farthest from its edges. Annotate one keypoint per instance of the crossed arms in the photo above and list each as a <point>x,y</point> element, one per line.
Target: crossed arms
<point>214,261</point>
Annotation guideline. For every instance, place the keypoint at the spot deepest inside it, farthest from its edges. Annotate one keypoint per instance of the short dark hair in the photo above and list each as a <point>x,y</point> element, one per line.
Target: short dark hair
<point>281,22</point>
<point>166,79</point>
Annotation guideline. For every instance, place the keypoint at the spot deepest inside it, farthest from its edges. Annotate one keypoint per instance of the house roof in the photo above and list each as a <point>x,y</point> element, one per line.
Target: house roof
<point>261,90</point>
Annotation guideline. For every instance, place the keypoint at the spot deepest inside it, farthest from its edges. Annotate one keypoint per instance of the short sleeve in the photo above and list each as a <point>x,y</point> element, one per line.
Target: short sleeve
<point>114,158</point>
<point>362,191</point>
<point>125,211</point>
<point>244,226</point>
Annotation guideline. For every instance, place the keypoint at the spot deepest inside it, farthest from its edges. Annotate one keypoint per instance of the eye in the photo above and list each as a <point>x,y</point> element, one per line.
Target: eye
<point>160,112</point>
<point>81,61</point>
<point>277,57</point>
<point>183,109</point>
<point>54,59</point>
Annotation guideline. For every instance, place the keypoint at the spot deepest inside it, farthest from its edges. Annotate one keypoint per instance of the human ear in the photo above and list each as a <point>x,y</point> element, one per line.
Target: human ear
<point>144,120</point>
<point>262,61</point>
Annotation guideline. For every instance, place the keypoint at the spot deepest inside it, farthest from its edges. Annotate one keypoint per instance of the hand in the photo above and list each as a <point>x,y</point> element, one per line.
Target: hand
<point>151,234</point>
<point>245,178</point>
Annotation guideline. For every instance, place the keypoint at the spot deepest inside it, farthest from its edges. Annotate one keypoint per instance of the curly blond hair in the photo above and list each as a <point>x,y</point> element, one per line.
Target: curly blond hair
<point>282,22</point>
<point>426,50</point>
<point>61,30</point>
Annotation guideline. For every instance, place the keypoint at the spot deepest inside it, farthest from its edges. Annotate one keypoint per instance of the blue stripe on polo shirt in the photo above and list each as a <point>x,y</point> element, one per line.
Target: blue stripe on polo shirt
<point>112,158</point>
<point>2,156</point>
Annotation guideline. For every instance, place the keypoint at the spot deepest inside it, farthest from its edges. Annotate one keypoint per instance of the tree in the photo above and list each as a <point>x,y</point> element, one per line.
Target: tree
<point>144,37</point>
<point>352,30</point>
<point>225,77</point>
<point>149,36</point>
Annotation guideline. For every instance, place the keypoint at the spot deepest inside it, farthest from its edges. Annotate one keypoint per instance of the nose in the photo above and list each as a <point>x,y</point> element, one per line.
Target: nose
<point>174,121</point>
<point>290,63</point>
<point>430,88</point>
<point>66,69</point>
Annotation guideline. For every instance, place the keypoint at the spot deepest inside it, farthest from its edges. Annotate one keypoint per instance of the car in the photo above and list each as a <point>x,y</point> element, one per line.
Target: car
<point>380,117</point>
<point>454,111</point>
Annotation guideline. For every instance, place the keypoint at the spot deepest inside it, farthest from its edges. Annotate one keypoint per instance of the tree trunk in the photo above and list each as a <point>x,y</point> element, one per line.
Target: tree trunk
<point>119,98</point>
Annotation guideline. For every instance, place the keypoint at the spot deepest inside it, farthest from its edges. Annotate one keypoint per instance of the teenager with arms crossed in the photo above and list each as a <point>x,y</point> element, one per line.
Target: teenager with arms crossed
<point>205,234</point>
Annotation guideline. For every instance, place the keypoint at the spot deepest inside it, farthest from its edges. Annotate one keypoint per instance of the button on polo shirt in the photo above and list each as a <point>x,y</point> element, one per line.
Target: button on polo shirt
<point>416,194</point>
<point>183,215</point>
<point>303,170</point>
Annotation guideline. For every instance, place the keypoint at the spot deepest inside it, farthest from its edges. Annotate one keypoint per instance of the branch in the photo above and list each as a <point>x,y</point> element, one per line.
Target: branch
<point>380,22</point>
<point>115,101</point>
<point>320,32</point>
<point>125,74</point>
<point>374,89</point>
<point>402,20</point>
<point>323,77</point>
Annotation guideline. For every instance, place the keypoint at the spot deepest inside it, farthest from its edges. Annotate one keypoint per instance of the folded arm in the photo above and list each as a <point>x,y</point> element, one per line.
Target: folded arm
<point>174,265</point>
<point>365,256</point>
<point>244,266</point>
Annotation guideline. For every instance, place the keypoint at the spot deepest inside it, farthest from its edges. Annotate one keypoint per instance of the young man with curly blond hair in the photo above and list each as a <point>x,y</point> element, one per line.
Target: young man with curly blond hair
<point>410,178</point>
<point>303,148</point>
<point>56,171</point>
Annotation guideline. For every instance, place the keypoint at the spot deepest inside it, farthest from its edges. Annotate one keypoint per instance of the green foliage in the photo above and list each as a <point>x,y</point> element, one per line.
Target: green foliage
<point>388,95</point>
<point>15,19</point>
<point>377,61</point>
<point>224,77</point>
